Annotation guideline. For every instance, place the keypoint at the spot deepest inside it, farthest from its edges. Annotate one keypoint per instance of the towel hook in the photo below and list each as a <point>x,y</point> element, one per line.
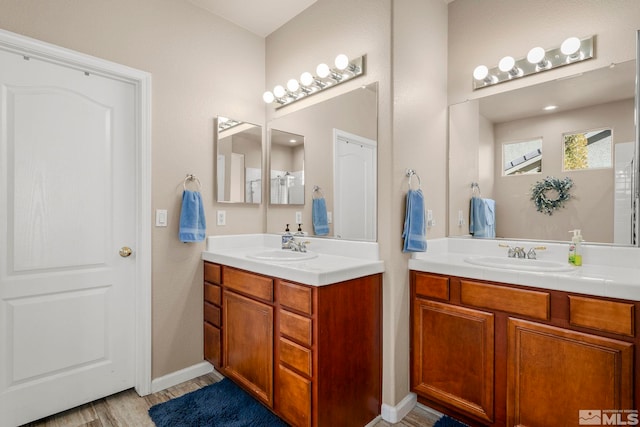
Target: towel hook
<point>189,178</point>
<point>410,174</point>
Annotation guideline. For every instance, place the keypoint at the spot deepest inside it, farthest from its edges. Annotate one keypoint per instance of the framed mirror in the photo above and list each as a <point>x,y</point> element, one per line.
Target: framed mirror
<point>238,148</point>
<point>340,148</point>
<point>593,115</point>
<point>286,153</point>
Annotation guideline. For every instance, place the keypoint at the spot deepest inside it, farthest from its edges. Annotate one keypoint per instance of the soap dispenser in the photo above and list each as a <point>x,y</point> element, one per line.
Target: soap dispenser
<point>299,232</point>
<point>575,249</point>
<point>286,238</point>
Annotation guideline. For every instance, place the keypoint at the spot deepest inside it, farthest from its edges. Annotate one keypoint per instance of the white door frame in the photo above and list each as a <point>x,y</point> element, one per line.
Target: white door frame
<point>142,82</point>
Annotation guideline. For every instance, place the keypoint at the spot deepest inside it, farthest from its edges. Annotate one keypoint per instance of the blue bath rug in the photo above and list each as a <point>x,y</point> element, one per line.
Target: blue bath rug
<point>447,421</point>
<point>222,404</point>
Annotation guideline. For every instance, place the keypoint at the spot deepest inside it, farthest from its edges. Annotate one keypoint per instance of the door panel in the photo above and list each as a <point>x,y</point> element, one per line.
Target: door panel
<point>67,205</point>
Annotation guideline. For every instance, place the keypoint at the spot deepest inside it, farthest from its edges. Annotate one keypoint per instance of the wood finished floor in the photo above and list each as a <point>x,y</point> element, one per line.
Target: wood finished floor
<point>127,409</point>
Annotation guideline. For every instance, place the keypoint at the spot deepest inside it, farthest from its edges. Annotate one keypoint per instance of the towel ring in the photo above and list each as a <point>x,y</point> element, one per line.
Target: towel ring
<point>475,190</point>
<point>410,174</point>
<point>319,192</point>
<point>191,178</point>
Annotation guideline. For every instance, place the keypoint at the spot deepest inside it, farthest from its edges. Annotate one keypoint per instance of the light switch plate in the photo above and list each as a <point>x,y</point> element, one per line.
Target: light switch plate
<point>161,217</point>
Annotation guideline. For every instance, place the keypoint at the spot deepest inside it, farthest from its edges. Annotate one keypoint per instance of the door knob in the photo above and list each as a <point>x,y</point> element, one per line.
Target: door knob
<point>125,251</point>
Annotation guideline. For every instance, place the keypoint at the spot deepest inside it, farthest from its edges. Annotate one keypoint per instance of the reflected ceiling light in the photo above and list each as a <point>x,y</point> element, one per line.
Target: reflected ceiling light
<point>325,77</point>
<point>538,59</point>
<point>550,107</point>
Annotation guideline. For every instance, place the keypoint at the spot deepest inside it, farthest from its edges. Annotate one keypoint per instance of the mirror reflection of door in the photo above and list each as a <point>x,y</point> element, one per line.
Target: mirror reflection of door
<point>354,186</point>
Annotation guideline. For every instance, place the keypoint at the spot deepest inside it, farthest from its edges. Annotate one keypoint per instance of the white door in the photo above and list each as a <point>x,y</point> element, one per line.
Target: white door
<point>355,187</point>
<point>67,206</point>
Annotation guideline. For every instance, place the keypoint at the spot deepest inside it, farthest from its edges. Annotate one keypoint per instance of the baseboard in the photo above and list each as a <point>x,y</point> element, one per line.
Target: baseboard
<point>177,377</point>
<point>430,410</point>
<point>393,414</point>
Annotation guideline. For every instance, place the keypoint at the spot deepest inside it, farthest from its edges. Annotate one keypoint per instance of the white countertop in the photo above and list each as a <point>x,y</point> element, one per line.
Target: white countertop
<point>607,271</point>
<point>337,260</point>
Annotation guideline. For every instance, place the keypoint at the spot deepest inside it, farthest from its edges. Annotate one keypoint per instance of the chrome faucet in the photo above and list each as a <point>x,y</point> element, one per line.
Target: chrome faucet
<point>521,252</point>
<point>298,245</point>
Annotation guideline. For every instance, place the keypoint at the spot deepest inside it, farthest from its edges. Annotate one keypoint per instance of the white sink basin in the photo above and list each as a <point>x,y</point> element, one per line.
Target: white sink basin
<point>519,264</point>
<point>282,255</point>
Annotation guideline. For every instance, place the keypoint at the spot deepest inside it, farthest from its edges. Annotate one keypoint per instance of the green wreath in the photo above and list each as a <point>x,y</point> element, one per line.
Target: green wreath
<point>545,204</point>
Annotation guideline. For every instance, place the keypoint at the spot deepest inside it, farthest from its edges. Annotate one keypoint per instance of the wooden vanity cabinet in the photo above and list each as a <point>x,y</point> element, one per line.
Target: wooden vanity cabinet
<point>213,314</point>
<point>503,355</point>
<point>313,354</point>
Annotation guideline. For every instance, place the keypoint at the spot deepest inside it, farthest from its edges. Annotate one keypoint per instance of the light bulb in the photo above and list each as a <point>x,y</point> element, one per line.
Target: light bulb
<point>279,91</point>
<point>306,79</point>
<point>323,71</point>
<point>268,97</point>
<point>536,55</point>
<point>506,64</point>
<point>481,72</point>
<point>342,61</point>
<point>570,46</point>
<point>293,85</point>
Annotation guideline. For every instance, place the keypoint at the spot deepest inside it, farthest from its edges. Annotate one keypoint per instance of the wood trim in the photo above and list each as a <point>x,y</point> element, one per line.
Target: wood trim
<point>534,304</point>
<point>602,315</point>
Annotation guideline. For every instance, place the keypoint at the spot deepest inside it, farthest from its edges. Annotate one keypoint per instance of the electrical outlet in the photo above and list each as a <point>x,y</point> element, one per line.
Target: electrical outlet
<point>460,218</point>
<point>298,217</point>
<point>221,217</point>
<point>329,217</point>
<point>430,221</point>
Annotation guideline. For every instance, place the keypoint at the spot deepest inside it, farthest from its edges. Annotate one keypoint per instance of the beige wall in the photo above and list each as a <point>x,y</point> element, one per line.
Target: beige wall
<point>194,79</point>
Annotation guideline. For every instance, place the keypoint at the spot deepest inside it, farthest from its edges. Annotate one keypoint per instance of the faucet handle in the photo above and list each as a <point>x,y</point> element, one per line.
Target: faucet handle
<point>532,252</point>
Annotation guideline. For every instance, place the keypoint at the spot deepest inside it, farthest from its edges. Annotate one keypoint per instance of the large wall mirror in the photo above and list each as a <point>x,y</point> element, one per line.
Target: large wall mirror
<point>594,109</point>
<point>340,148</point>
<point>238,148</point>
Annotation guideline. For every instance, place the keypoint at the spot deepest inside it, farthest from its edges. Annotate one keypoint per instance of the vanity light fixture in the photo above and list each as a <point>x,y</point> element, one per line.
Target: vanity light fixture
<point>571,51</point>
<point>325,77</point>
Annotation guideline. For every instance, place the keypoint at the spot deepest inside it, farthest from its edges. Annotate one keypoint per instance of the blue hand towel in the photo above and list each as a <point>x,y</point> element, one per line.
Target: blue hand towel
<point>415,232</point>
<point>192,221</point>
<point>482,221</point>
<point>319,216</point>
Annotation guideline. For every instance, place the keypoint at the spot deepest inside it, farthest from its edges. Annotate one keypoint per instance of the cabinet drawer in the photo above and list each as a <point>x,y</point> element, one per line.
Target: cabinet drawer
<point>296,327</point>
<point>296,407</point>
<point>212,293</point>
<point>430,286</point>
<point>212,345</point>
<point>212,273</point>
<point>248,283</point>
<point>296,356</point>
<point>602,315</point>
<point>517,301</point>
<point>212,314</point>
<point>295,297</point>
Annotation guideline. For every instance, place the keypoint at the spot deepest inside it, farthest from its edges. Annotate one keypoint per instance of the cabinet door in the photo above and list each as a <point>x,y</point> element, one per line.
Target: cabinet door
<point>295,397</point>
<point>453,357</point>
<point>248,344</point>
<point>555,373</point>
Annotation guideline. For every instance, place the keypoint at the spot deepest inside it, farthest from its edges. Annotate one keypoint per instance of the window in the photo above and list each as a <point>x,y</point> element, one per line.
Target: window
<point>587,150</point>
<point>522,157</point>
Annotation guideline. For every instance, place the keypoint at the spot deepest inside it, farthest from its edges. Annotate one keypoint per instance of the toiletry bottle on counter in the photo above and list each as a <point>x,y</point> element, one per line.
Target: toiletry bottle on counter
<point>299,232</point>
<point>575,250</point>
<point>286,238</point>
